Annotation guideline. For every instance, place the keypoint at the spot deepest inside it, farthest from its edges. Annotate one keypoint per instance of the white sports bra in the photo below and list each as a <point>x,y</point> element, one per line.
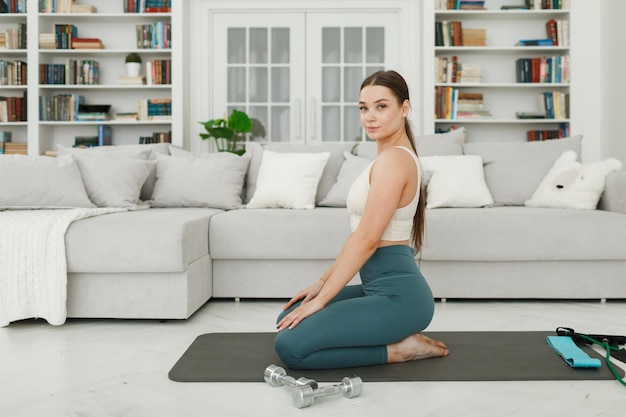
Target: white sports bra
<point>401,224</point>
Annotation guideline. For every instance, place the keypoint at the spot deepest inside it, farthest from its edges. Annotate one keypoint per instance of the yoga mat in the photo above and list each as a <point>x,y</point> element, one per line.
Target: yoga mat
<point>474,356</point>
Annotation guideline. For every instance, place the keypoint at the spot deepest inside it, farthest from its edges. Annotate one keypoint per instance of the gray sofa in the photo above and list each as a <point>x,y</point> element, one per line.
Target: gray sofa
<point>167,262</point>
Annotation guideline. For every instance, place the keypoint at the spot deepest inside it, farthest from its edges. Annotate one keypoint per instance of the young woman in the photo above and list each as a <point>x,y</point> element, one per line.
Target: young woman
<point>331,325</point>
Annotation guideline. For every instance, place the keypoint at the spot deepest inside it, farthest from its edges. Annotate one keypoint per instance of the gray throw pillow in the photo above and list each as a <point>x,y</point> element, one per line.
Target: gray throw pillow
<point>212,180</point>
<point>514,170</point>
<point>114,182</point>
<point>29,182</point>
<point>350,170</point>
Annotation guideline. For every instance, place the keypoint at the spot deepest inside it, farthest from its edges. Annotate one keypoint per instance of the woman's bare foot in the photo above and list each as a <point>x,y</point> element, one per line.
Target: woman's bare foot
<point>415,347</point>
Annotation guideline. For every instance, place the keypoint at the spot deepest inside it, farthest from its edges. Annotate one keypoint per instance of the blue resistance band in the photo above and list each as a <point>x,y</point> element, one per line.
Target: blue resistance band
<point>573,355</point>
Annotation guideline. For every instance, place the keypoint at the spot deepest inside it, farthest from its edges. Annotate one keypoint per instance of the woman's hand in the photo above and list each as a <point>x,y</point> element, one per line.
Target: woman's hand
<point>306,294</point>
<point>303,311</point>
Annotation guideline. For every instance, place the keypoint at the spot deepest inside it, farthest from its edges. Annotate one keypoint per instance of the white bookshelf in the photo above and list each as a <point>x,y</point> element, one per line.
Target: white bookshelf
<point>117,30</point>
<point>503,96</point>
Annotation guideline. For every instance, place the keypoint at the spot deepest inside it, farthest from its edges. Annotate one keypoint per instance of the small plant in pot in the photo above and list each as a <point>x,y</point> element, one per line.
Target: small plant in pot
<point>133,65</point>
<point>228,132</point>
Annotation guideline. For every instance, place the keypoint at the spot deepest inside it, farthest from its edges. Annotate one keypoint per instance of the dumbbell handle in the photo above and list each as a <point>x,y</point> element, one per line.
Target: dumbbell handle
<point>304,396</point>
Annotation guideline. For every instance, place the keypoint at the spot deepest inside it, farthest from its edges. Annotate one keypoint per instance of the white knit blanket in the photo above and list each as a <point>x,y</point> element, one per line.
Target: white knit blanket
<point>33,267</point>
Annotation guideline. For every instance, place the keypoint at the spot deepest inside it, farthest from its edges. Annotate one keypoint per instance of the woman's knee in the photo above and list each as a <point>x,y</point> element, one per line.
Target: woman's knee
<point>287,350</point>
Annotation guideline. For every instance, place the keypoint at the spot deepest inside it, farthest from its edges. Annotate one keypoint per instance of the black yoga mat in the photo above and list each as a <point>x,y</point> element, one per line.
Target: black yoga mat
<point>474,356</point>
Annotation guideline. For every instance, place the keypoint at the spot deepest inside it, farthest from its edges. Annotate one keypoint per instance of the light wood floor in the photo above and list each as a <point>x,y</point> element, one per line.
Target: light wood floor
<point>119,368</point>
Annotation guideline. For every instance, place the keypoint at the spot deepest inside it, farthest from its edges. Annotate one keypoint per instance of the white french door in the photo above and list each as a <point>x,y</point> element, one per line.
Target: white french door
<point>299,73</point>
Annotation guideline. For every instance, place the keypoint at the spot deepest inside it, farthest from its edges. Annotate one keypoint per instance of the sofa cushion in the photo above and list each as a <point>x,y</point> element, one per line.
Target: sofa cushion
<point>352,167</point>
<point>28,182</point>
<point>513,170</point>
<point>523,233</point>
<point>288,180</point>
<point>329,175</point>
<point>151,240</point>
<point>455,181</point>
<point>279,234</point>
<point>114,182</point>
<point>449,143</point>
<point>143,151</point>
<point>209,180</point>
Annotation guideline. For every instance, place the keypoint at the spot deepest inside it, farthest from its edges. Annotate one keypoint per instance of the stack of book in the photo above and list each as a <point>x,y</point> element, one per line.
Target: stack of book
<point>16,148</point>
<point>125,116</point>
<point>554,104</point>
<point>65,33</point>
<point>82,8</point>
<point>460,5</point>
<point>470,73</point>
<point>470,105</point>
<point>159,71</point>
<point>448,33</point>
<point>131,80</point>
<point>59,108</point>
<point>87,43</point>
<point>12,6</point>
<point>558,31</point>
<point>93,112</point>
<point>157,35</point>
<point>5,136</point>
<point>474,37</point>
<point>47,41</point>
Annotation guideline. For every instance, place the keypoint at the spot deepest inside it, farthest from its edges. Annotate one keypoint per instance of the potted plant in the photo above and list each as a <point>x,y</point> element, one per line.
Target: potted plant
<point>133,65</point>
<point>228,131</point>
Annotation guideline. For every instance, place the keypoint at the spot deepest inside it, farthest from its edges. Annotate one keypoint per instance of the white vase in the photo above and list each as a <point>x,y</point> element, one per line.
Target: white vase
<point>133,69</point>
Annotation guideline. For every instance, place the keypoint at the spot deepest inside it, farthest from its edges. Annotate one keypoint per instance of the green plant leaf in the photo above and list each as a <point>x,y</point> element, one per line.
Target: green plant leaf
<point>239,121</point>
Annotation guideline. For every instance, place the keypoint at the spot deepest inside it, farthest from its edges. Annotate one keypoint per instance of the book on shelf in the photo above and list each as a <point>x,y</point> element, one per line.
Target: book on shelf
<point>14,38</point>
<point>13,72</point>
<point>47,41</point>
<point>131,80</point>
<point>558,31</point>
<point>474,37</point>
<point>13,6</point>
<point>147,6</point>
<point>159,71</point>
<point>554,104</point>
<point>448,33</point>
<point>157,35</point>
<point>547,4</point>
<point>535,42</point>
<point>5,136</point>
<point>105,135</point>
<point>92,117</point>
<point>13,108</point>
<point>64,35</point>
<point>85,141</point>
<point>157,137</point>
<point>154,109</point>
<point>16,148</point>
<point>460,5</point>
<point>545,69</point>
<point>87,43</point>
<point>84,72</point>
<point>125,116</point>
<point>82,8</point>
<point>59,108</point>
<point>530,115</point>
<point>563,131</point>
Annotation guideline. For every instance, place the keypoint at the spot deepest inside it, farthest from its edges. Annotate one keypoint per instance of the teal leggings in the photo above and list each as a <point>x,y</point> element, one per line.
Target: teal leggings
<point>393,302</point>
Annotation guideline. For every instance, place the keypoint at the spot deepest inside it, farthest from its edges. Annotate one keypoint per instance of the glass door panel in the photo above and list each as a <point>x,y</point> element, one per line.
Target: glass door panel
<point>263,69</point>
<point>339,57</point>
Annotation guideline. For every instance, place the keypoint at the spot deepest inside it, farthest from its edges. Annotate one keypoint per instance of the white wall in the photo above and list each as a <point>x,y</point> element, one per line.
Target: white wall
<point>613,80</point>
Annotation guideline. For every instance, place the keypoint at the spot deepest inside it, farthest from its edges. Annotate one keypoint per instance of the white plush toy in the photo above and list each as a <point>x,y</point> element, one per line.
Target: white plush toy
<point>570,184</point>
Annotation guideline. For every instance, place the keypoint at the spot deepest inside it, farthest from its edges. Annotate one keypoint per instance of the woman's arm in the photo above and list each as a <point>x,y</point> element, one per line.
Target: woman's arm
<point>388,179</point>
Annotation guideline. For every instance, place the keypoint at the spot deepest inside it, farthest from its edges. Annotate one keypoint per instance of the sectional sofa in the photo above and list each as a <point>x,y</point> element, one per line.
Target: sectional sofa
<point>214,229</point>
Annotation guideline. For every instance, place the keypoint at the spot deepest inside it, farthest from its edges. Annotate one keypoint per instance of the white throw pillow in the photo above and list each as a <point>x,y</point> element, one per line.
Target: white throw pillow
<point>350,170</point>
<point>114,182</point>
<point>288,180</point>
<point>456,181</point>
<point>29,182</point>
<point>211,180</point>
<point>570,184</point>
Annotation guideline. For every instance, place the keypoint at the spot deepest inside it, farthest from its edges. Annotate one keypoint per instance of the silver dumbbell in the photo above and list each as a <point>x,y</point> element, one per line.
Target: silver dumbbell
<point>350,387</point>
<point>277,376</point>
